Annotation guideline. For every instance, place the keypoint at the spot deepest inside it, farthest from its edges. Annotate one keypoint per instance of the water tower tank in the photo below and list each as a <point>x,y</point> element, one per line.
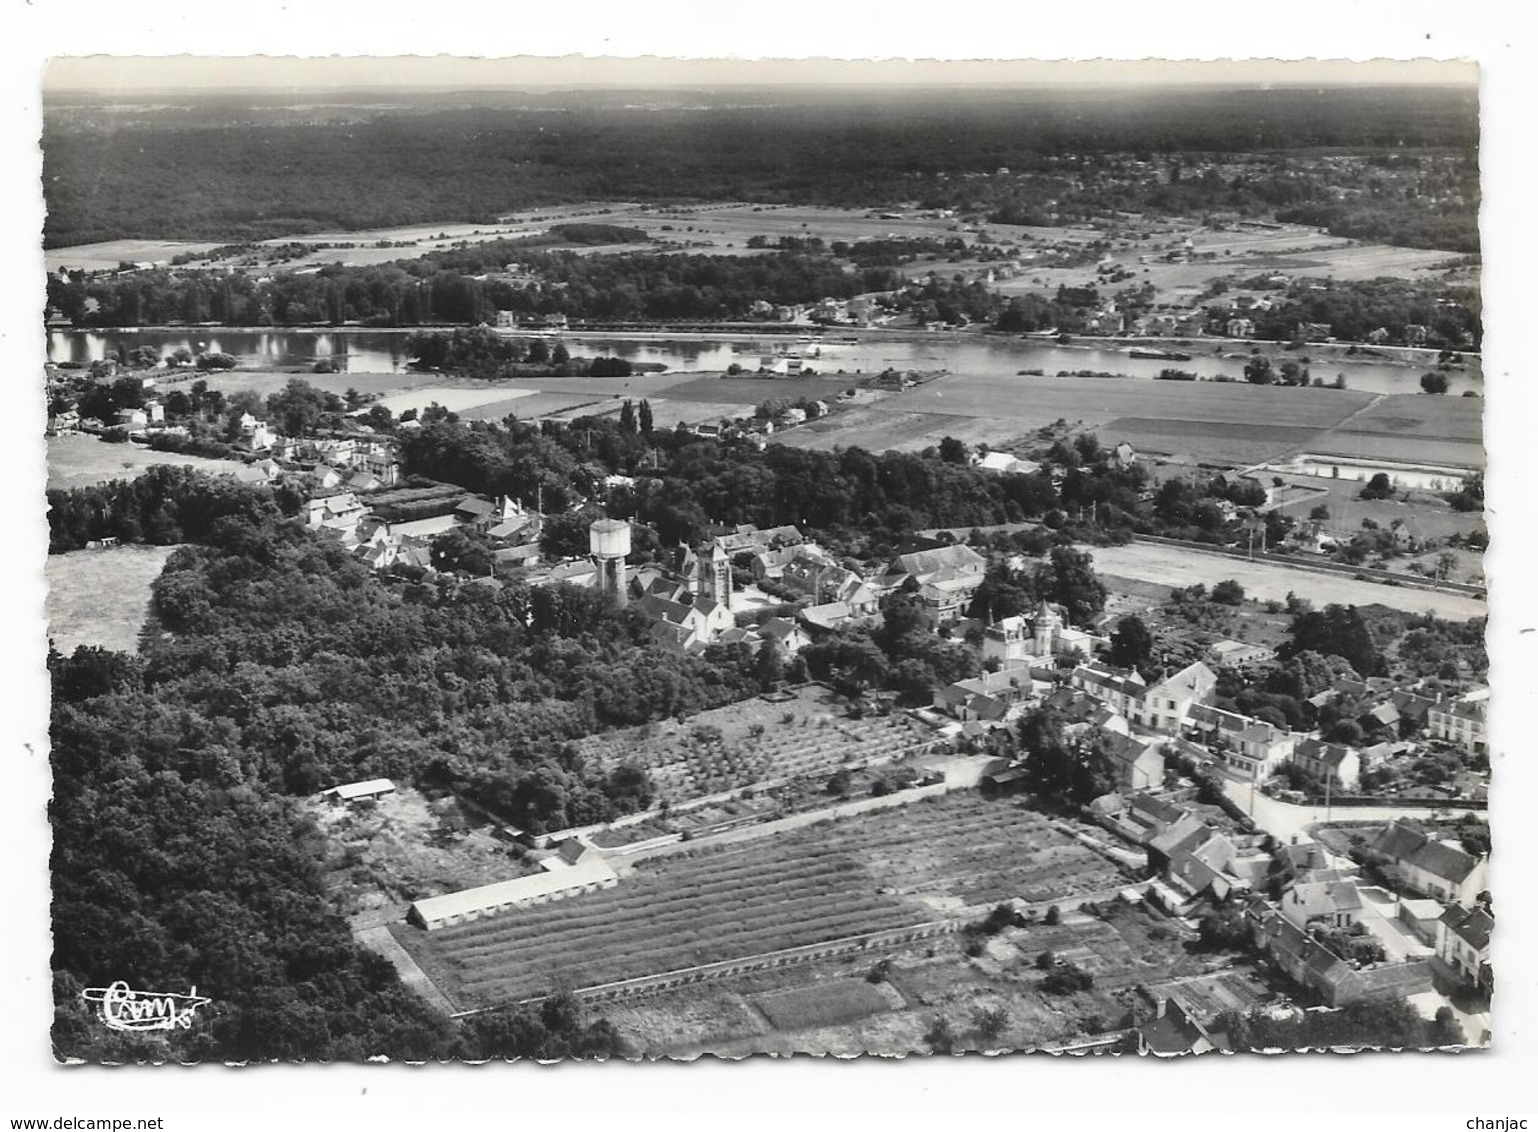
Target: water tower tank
<point>609,538</point>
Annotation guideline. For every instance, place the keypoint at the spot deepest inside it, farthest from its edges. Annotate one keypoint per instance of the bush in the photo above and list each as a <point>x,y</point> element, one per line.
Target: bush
<point>1053,916</point>
<point>1228,592</point>
<point>1067,979</point>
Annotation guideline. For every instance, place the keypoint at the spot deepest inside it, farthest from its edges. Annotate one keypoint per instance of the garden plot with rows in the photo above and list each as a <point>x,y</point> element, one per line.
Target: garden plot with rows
<point>932,860</point>
<point>808,735</point>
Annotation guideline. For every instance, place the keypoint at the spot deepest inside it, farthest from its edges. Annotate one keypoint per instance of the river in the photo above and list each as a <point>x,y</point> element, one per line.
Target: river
<point>372,351</point>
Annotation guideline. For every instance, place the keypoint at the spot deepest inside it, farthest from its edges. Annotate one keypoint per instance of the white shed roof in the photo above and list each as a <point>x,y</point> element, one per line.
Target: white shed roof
<point>488,896</point>
<point>362,789</point>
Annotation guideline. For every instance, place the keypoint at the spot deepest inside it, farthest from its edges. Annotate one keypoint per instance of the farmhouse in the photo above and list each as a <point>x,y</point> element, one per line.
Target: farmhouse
<point>359,791</point>
<point>436,912</point>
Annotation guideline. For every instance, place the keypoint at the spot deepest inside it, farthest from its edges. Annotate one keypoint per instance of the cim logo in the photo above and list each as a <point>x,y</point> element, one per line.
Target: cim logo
<point>123,1008</point>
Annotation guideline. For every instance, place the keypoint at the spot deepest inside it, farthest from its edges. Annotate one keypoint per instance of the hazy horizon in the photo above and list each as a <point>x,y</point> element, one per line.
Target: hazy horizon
<point>185,74</point>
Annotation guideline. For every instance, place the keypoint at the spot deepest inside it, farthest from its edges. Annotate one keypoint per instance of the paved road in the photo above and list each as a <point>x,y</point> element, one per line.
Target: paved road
<point>962,772</point>
<point>1268,581</point>
<point>1284,821</point>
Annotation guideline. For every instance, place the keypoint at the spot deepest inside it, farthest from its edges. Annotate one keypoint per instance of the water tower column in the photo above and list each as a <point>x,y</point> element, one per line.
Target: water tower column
<point>609,541</point>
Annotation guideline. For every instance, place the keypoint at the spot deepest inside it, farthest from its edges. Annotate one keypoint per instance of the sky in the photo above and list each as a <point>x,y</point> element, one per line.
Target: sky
<point>189,73</point>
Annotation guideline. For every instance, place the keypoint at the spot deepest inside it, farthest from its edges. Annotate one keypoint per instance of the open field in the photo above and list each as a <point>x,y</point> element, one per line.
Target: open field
<point>893,868</point>
<point>1214,420</point>
<point>106,256</point>
<point>534,405</point>
<point>1414,429</point>
<point>77,459</point>
<point>746,392</point>
<point>101,597</point>
<point>1265,581</point>
<point>754,741</point>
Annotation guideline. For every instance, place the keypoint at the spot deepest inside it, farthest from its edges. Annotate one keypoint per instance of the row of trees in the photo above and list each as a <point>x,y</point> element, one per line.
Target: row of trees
<point>436,290</point>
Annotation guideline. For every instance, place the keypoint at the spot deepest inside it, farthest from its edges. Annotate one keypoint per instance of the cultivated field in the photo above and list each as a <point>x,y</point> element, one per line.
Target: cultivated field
<point>79,460</point>
<point>1265,581</point>
<point>889,869</point>
<point>101,597</point>
<point>826,1004</point>
<point>935,979</point>
<point>809,735</point>
<point>1412,428</point>
<point>1216,420</point>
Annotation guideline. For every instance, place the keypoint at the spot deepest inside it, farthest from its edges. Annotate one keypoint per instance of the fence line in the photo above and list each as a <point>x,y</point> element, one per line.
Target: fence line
<point>727,968</point>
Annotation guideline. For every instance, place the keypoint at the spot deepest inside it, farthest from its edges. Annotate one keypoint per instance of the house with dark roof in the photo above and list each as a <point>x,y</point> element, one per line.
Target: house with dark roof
<point>1332,764</point>
<point>1175,1030</point>
<point>1249,747</point>
<point>1336,903</point>
<point>1463,943</point>
<point>993,697</point>
<point>1461,723</point>
<point>1138,764</point>
<point>1436,868</point>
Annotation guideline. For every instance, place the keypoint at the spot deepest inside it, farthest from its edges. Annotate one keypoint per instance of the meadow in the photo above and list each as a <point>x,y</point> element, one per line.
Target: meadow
<point>101,597</point>
<point>79,460</point>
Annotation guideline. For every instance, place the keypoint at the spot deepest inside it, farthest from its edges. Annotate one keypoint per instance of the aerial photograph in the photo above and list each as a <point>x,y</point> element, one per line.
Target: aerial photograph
<point>655,562</point>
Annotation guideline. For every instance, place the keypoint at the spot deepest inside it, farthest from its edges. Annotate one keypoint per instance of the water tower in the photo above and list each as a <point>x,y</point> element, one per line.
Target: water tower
<point>609,541</point>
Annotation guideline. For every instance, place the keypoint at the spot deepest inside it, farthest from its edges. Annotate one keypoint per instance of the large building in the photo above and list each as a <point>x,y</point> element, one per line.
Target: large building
<point>946,576</point>
<point>589,875</point>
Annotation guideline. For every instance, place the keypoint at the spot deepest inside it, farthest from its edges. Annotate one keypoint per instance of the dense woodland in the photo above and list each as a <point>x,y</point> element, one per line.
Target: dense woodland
<point>105,175</point>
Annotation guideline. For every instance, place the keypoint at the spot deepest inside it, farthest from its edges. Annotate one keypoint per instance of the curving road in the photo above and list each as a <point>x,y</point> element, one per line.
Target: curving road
<point>1284,821</point>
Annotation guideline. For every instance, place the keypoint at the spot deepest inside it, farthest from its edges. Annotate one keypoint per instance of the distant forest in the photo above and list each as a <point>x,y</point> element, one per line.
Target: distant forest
<point>236,176</point>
